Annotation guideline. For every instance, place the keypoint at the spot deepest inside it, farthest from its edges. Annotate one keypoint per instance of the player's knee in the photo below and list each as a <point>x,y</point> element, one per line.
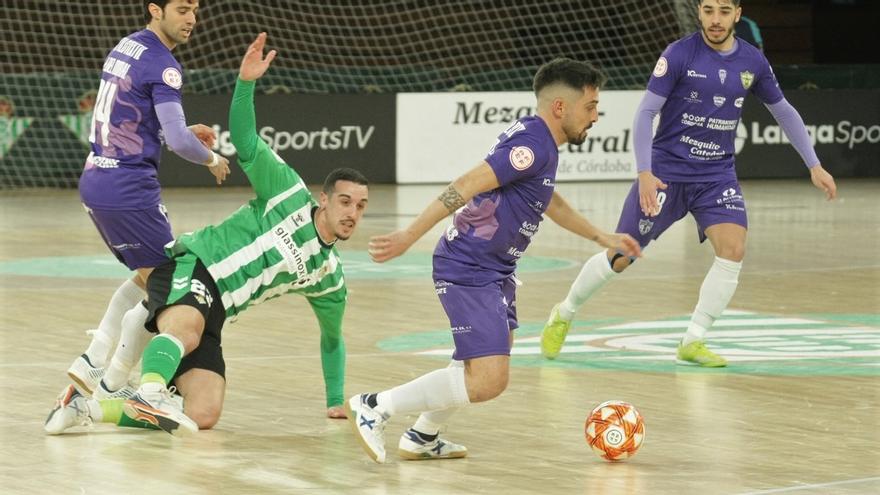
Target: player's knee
<point>619,262</point>
<point>488,388</point>
<point>204,416</point>
<point>732,253</point>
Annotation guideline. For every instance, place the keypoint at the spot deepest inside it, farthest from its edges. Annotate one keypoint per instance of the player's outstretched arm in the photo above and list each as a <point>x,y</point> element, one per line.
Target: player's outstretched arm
<point>242,117</point>
<point>561,212</point>
<point>479,179</point>
<point>254,64</point>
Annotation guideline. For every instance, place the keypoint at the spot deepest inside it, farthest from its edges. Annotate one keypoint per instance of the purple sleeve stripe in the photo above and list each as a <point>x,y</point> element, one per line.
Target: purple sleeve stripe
<point>178,137</point>
<point>793,126</point>
<point>643,128</point>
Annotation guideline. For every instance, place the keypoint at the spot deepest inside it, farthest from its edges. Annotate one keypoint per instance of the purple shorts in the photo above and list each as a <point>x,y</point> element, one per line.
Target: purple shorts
<point>481,317</point>
<point>710,203</point>
<point>137,238</point>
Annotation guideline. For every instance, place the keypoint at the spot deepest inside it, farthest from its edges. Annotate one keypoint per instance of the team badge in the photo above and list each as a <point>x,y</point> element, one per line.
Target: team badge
<point>722,75</point>
<point>522,157</point>
<point>747,78</point>
<point>645,226</point>
<point>660,68</point>
<point>172,77</point>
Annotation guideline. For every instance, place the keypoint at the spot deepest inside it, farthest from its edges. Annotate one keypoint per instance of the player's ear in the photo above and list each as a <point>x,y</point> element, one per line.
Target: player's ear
<point>323,199</point>
<point>558,106</point>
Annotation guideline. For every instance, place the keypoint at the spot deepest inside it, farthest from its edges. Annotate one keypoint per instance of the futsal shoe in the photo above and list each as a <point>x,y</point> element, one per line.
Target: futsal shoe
<point>414,448</point>
<point>85,376</point>
<point>155,404</point>
<point>102,392</point>
<point>70,410</point>
<point>697,354</point>
<point>554,333</point>
<point>369,424</point>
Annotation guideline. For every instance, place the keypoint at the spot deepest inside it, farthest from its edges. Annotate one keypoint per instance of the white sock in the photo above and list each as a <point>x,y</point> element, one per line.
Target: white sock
<point>439,389</point>
<point>126,296</point>
<point>95,411</point>
<point>715,294</point>
<point>132,341</point>
<point>594,274</point>
<point>431,422</point>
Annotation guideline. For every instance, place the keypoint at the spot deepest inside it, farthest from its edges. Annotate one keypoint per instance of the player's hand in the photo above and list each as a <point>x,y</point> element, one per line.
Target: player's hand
<point>254,65</point>
<point>648,185</point>
<point>220,169</point>
<point>823,180</point>
<point>622,243</point>
<point>385,247</point>
<point>336,412</point>
<point>204,134</point>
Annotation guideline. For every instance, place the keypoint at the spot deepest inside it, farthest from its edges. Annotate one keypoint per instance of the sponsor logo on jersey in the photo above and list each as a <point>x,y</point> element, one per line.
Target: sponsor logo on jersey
<point>738,103</point>
<point>719,100</point>
<point>292,254</point>
<point>693,73</point>
<point>451,233</point>
<point>694,97</point>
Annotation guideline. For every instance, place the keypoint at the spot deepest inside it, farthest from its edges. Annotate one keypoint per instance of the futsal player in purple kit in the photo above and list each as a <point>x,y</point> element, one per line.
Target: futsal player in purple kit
<point>504,199</point>
<point>698,87</point>
<point>138,108</point>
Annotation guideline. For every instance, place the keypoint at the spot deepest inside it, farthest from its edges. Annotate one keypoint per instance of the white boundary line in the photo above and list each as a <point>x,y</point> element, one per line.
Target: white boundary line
<point>813,486</point>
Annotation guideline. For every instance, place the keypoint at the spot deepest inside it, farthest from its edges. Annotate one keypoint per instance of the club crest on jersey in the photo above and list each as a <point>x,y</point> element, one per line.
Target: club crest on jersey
<point>522,157</point>
<point>722,75</point>
<point>645,226</point>
<point>660,68</point>
<point>172,77</point>
<point>747,78</point>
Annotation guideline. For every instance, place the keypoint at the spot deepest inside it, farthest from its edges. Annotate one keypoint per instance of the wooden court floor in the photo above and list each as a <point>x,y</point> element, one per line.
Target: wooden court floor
<point>795,412</point>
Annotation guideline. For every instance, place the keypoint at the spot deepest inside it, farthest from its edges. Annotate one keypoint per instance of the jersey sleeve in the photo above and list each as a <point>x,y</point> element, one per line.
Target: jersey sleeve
<point>766,87</point>
<point>329,309</point>
<point>164,78</point>
<point>518,157</point>
<point>266,171</point>
<point>667,71</point>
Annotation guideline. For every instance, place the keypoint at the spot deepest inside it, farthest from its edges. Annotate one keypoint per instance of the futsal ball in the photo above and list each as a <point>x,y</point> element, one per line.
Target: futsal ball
<point>615,430</point>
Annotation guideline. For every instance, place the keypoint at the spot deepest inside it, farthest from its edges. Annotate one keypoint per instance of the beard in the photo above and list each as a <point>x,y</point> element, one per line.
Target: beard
<point>728,33</point>
<point>576,139</point>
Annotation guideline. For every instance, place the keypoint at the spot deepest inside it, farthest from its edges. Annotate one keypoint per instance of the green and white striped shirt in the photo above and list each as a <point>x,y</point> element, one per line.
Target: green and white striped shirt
<point>270,246</point>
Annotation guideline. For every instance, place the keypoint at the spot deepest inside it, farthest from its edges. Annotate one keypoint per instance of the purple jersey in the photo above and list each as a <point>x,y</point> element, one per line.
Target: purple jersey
<point>704,94</point>
<point>493,230</point>
<point>121,171</point>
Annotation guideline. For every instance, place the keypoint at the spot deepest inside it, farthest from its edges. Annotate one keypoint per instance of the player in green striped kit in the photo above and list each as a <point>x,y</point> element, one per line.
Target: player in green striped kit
<point>280,242</point>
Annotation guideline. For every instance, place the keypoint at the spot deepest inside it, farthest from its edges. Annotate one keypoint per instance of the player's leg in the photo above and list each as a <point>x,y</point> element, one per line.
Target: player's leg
<point>481,331</point>
<point>721,217</point>
<point>199,380</point>
<point>132,341</point>
<point>137,240</point>
<point>603,266</point>
<point>182,298</point>
<point>73,409</point>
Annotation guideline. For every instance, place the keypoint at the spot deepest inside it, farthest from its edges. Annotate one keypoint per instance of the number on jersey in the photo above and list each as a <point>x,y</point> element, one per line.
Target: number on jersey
<point>101,113</point>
